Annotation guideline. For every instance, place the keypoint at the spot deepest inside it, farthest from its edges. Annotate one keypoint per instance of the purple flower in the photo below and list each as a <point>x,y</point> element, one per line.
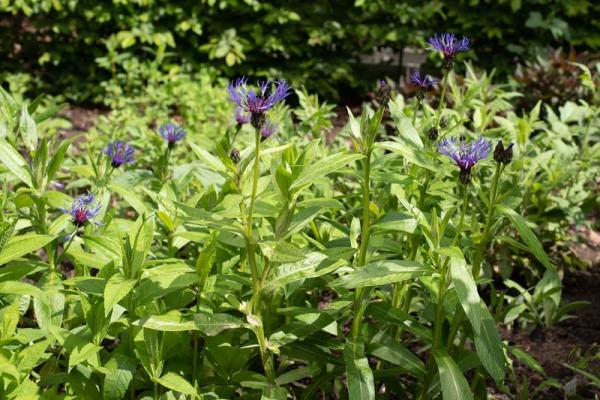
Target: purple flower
<point>422,82</point>
<point>268,129</point>
<point>82,211</point>
<point>172,133</point>
<point>465,155</point>
<point>258,102</point>
<point>241,117</point>
<point>449,45</point>
<point>120,153</point>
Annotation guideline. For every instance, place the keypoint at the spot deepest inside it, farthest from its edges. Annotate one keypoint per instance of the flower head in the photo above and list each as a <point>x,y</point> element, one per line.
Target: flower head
<point>422,82</point>
<point>82,211</point>
<point>172,133</point>
<point>449,45</point>
<point>465,155</point>
<point>241,117</point>
<point>257,102</point>
<point>120,153</point>
<point>268,129</point>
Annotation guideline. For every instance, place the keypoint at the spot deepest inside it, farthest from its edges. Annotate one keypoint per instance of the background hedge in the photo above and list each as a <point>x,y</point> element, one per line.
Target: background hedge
<point>73,45</point>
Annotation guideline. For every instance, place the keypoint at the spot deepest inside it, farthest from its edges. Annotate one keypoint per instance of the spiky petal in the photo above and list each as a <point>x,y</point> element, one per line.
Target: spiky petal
<point>258,101</point>
<point>241,116</point>
<point>449,45</point>
<point>119,153</point>
<point>172,133</point>
<point>465,154</point>
<point>82,211</point>
<point>422,82</point>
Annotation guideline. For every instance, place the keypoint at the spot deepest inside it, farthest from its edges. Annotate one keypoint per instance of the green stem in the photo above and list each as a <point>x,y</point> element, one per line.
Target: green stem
<point>439,314</point>
<point>266,358</point>
<point>417,107</point>
<point>438,112</point>
<point>364,242</point>
<point>478,258</point>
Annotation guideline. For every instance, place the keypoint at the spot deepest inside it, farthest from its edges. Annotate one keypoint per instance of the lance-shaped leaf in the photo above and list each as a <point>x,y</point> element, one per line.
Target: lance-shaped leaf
<point>382,272</point>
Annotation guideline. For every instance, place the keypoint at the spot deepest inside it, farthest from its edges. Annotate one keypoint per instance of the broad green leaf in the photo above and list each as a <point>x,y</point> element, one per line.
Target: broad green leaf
<point>177,383</point>
<point>59,155</point>
<point>487,339</point>
<point>211,161</point>
<point>466,289</point>
<point>20,288</point>
<point>404,125</point>
<point>133,199</point>
<point>115,290</point>
<point>140,237</point>
<point>535,247</point>
<point>172,321</point>
<point>28,129</point>
<point>323,167</point>
<point>386,348</point>
<point>359,374</point>
<point>9,317</point>
<point>120,370</point>
<point>14,162</point>
<point>213,324</point>
<point>49,309</point>
<point>6,230</point>
<point>314,265</point>
<point>385,312</point>
<point>454,384</point>
<point>410,152</point>
<point>380,273</point>
<point>24,244</point>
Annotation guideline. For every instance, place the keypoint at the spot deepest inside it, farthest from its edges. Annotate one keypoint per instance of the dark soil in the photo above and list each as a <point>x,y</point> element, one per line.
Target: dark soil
<point>566,342</point>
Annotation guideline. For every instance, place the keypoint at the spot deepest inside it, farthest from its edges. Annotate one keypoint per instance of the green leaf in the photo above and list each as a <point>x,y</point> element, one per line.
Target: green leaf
<point>133,199</point>
<point>410,152</point>
<point>360,376</point>
<point>535,247</point>
<point>404,125</point>
<point>177,383</point>
<point>454,384</point>
<point>314,265</point>
<point>382,273</point>
<point>20,288</point>
<point>21,245</point>
<point>213,324</point>
<point>115,290</point>
<point>28,129</point>
<point>387,349</point>
<point>120,370</point>
<point>140,237</point>
<point>6,230</point>
<point>323,167</point>
<point>487,339</point>
<point>14,162</point>
<point>59,155</point>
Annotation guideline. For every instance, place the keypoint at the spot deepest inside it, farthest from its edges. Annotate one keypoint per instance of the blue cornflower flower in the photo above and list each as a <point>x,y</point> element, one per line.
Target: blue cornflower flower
<point>258,102</point>
<point>449,45</point>
<point>268,129</point>
<point>120,153</point>
<point>241,117</point>
<point>82,211</point>
<point>172,133</point>
<point>465,155</point>
<point>422,82</point>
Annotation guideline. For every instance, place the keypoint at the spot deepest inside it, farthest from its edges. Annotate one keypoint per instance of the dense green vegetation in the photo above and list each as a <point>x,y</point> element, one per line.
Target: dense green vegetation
<point>317,44</point>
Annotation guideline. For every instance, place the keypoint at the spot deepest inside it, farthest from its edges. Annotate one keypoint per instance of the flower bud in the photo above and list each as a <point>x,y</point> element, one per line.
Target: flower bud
<point>443,123</point>
<point>433,134</point>
<point>499,152</point>
<point>234,155</point>
<point>383,93</point>
<point>257,120</point>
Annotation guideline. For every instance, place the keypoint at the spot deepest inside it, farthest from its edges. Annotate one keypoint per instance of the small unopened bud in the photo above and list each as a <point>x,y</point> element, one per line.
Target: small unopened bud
<point>383,93</point>
<point>499,152</point>
<point>508,154</point>
<point>443,123</point>
<point>433,134</point>
<point>234,155</point>
<point>502,154</point>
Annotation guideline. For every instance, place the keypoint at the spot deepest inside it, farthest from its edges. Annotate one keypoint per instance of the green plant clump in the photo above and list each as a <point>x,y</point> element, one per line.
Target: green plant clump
<point>175,251</point>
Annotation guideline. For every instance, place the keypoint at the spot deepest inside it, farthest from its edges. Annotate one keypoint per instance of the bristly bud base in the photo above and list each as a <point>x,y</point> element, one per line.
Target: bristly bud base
<point>465,176</point>
<point>502,154</point>
<point>234,155</point>
<point>257,120</point>
<point>383,94</point>
<point>433,134</point>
